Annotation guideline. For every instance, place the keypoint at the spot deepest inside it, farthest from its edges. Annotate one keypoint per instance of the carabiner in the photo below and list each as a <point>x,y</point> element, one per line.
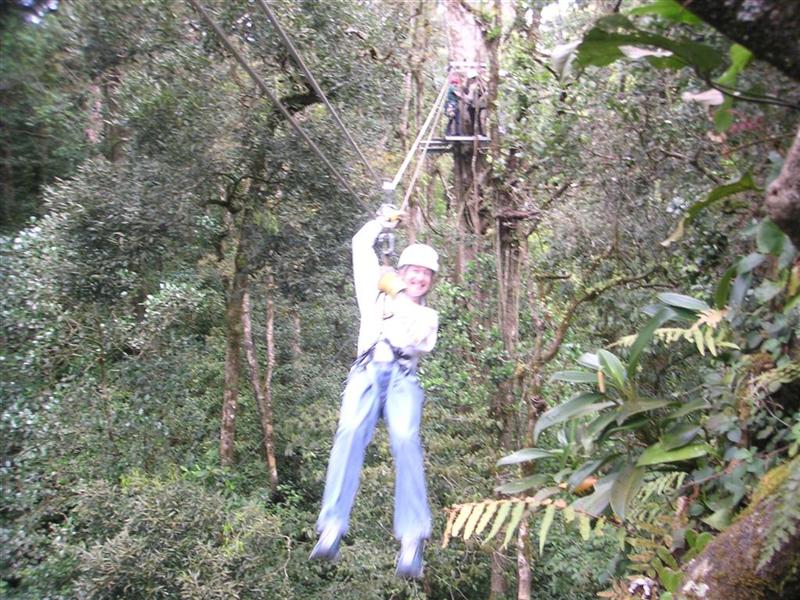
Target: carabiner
<point>385,243</point>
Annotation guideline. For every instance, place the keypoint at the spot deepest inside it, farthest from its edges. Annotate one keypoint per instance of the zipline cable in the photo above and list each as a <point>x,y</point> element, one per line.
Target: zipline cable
<point>437,111</point>
<point>299,61</point>
<point>260,82</point>
<point>410,155</point>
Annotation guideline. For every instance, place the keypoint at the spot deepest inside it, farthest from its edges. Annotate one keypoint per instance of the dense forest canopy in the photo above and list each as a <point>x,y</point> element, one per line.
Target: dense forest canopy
<point>613,403</point>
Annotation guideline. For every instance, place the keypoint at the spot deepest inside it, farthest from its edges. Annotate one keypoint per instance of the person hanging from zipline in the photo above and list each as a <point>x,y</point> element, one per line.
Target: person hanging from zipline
<point>396,328</point>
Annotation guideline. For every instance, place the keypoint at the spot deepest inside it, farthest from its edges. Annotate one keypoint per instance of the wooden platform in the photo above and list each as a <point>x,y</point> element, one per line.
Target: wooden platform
<point>447,143</point>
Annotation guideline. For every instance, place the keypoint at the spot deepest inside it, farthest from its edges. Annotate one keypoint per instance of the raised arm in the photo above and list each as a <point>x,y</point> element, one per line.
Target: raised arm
<point>366,268</point>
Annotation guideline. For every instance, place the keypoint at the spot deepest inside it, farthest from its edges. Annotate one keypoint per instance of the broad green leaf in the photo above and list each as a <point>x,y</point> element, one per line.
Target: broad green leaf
<point>740,286</point>
<point>589,360</point>
<point>745,183</point>
<point>639,406</point>
<point>527,454</point>
<point>575,376</point>
<point>645,335</point>
<point>624,488</point>
<point>462,517</point>
<point>613,367</point>
<point>541,495</point>
<point>521,485</point>
<point>671,10</point>
<point>580,405</point>
<point>585,527</point>
<point>681,301</point>
<point>749,262</point>
<point>770,238</point>
<point>516,517</point>
<point>502,513</point>
<point>723,290</point>
<point>740,58</point>
<point>597,427</point>
<point>657,454</point>
<point>544,528</point>
<point>469,528</point>
<point>600,47</point>
<point>679,435</point>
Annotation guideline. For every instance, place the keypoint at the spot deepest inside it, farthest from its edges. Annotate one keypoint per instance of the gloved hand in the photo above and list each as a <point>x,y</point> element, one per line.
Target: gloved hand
<point>389,216</point>
<point>391,284</point>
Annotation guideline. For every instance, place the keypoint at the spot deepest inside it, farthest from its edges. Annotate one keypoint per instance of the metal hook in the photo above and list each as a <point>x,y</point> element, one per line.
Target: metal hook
<point>386,243</point>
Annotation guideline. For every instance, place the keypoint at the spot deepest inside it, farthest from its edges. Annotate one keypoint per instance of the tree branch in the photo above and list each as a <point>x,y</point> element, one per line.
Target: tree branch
<point>590,294</point>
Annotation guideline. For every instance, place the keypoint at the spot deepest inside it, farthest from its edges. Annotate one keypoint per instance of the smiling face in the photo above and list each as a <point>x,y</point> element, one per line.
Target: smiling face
<point>418,281</point>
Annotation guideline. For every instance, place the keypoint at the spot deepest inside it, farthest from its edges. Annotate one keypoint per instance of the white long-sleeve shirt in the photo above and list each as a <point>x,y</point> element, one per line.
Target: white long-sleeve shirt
<point>409,327</point>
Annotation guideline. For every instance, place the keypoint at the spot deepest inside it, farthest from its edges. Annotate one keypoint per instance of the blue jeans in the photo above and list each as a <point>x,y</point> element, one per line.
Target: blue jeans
<point>374,390</point>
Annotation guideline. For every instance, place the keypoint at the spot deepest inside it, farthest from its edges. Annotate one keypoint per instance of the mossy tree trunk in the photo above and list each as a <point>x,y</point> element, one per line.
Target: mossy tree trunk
<point>730,567</point>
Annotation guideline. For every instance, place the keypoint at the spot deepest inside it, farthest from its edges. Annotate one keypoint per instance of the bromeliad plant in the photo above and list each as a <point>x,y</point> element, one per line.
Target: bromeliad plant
<point>672,468</point>
<point>624,436</point>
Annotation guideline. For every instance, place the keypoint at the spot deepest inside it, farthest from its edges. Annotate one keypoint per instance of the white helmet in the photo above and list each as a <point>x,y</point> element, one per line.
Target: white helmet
<point>420,255</point>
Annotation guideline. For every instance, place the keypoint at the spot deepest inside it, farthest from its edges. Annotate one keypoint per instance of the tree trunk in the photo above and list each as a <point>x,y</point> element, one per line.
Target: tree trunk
<point>783,195</point>
<point>269,433</point>
<point>263,406</point>
<point>523,563</point>
<point>497,584</point>
<point>768,28</point>
<point>230,394</point>
<point>468,44</point>
<point>470,168</point>
<point>728,568</point>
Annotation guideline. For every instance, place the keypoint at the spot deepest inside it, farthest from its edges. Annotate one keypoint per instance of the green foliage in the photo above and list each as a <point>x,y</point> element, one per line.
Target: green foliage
<point>787,512</point>
<point>113,339</point>
<point>704,441</point>
<point>43,114</point>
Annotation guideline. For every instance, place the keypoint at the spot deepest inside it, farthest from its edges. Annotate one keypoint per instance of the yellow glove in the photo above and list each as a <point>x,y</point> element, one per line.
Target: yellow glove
<point>391,284</point>
<point>389,216</point>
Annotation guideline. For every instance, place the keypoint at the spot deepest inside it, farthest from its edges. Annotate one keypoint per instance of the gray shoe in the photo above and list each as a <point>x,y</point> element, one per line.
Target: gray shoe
<point>409,560</point>
<point>327,546</point>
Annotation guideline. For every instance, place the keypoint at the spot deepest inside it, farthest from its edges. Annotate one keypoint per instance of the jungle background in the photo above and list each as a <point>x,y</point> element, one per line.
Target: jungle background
<point>614,394</point>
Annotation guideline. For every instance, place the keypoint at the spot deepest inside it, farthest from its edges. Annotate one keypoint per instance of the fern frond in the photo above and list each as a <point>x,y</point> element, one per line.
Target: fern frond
<point>469,520</point>
<point>705,333</point>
